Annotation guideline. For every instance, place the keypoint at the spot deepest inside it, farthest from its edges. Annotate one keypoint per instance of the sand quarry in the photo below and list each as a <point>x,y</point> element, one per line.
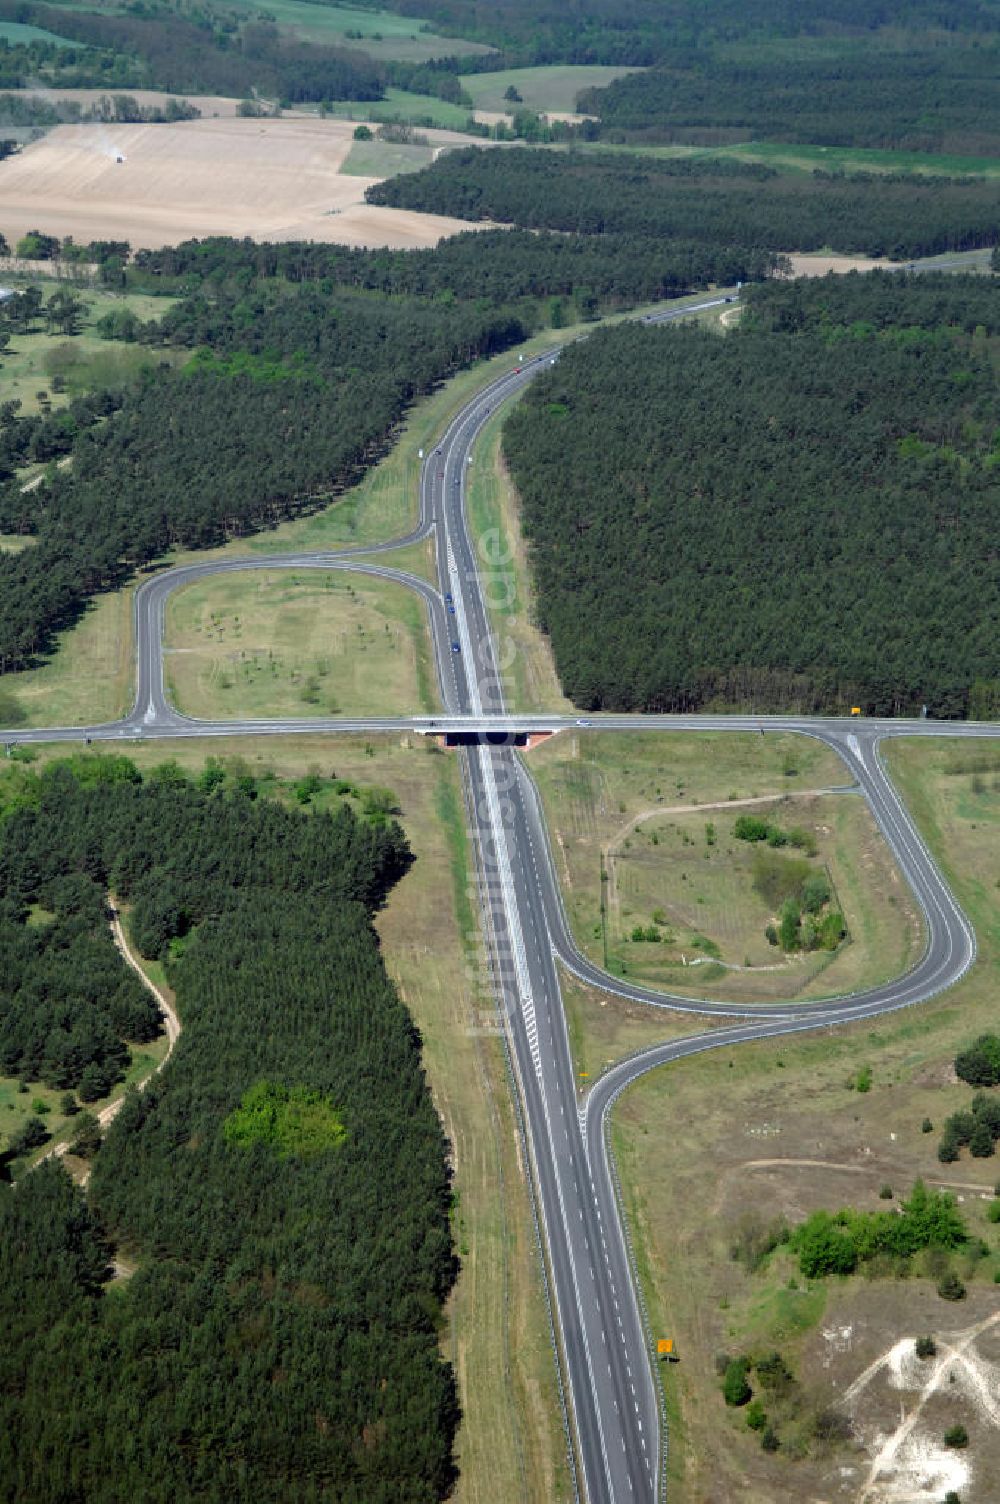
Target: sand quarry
<point>270,179</point>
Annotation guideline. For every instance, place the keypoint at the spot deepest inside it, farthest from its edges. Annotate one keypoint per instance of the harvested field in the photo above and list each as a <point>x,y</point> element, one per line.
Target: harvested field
<point>270,179</point>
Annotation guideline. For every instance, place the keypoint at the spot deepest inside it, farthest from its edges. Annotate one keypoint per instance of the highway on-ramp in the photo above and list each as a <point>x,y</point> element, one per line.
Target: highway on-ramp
<point>613,1397</point>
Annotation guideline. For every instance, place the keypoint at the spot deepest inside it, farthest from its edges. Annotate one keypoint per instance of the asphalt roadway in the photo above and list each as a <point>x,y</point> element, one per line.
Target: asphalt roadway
<point>604,1353</point>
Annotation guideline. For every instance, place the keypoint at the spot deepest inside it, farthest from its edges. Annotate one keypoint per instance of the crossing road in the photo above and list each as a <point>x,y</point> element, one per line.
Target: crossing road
<point>613,1401</point>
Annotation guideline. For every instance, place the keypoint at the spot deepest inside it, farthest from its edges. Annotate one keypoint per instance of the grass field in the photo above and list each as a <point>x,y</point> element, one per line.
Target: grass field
<point>384,159</point>
<point>510,1444</point>
<point>776,1130</point>
<point>544,90</point>
<point>860,159</point>
<point>632,853</point>
<point>376,32</point>
<point>277,642</point>
<point>800,158</point>
<point>401,104</point>
<point>14,543</point>
<point>18,34</point>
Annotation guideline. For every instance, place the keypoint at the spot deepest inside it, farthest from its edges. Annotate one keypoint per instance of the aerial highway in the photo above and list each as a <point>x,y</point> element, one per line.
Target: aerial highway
<point>613,1397</point>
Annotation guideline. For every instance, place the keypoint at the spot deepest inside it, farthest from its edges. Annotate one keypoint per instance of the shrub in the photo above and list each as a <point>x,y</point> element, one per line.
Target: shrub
<point>956,1436</point>
<point>32,1135</point>
<point>86,1139</point>
<point>815,893</point>
<point>769,1439</point>
<point>788,926</point>
<point>885,1194</point>
<point>774,1374</point>
<point>735,1388</point>
<point>754,1238</point>
<point>756,1416</point>
<point>831,1425</point>
<point>926,1126</point>
<point>950,1287</point>
<point>925,1347</point>
<point>751,828</point>
<point>980,1063</point>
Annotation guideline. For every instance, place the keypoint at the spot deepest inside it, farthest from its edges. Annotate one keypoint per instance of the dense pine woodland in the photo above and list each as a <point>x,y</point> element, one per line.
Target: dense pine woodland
<point>800,514</point>
<point>917,98</point>
<point>694,199</point>
<point>280,1189</point>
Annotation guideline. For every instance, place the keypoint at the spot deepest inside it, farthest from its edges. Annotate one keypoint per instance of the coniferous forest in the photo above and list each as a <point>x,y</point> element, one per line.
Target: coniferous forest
<point>704,200</point>
<point>800,514</point>
<point>280,1190</point>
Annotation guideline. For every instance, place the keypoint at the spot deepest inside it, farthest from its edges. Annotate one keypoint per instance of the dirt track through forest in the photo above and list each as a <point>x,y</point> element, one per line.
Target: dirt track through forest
<point>172,1027</point>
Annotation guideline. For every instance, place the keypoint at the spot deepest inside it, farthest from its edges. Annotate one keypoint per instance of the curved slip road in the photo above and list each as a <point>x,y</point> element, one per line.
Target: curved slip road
<point>613,1396</point>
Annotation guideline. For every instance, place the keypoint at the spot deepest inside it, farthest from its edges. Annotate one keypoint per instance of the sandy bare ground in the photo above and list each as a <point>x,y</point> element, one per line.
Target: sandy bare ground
<point>909,1462</point>
<point>269,179</point>
<point>808,265</point>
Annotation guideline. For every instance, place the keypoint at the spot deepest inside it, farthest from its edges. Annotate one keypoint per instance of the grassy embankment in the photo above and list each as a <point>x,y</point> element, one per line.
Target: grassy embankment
<point>780,1129</point>
<point>511,1443</point>
<point>530,679</point>
<point>642,829</point>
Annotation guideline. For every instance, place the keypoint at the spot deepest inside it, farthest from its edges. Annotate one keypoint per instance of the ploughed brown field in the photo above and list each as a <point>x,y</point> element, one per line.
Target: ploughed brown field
<point>269,179</point>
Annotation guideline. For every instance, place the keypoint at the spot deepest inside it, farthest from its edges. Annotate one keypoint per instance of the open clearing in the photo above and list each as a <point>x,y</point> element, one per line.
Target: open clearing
<point>82,361</point>
<point>779,1129</point>
<point>548,90</point>
<point>286,642</point>
<point>642,831</point>
<point>510,1444</point>
<point>270,179</point>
